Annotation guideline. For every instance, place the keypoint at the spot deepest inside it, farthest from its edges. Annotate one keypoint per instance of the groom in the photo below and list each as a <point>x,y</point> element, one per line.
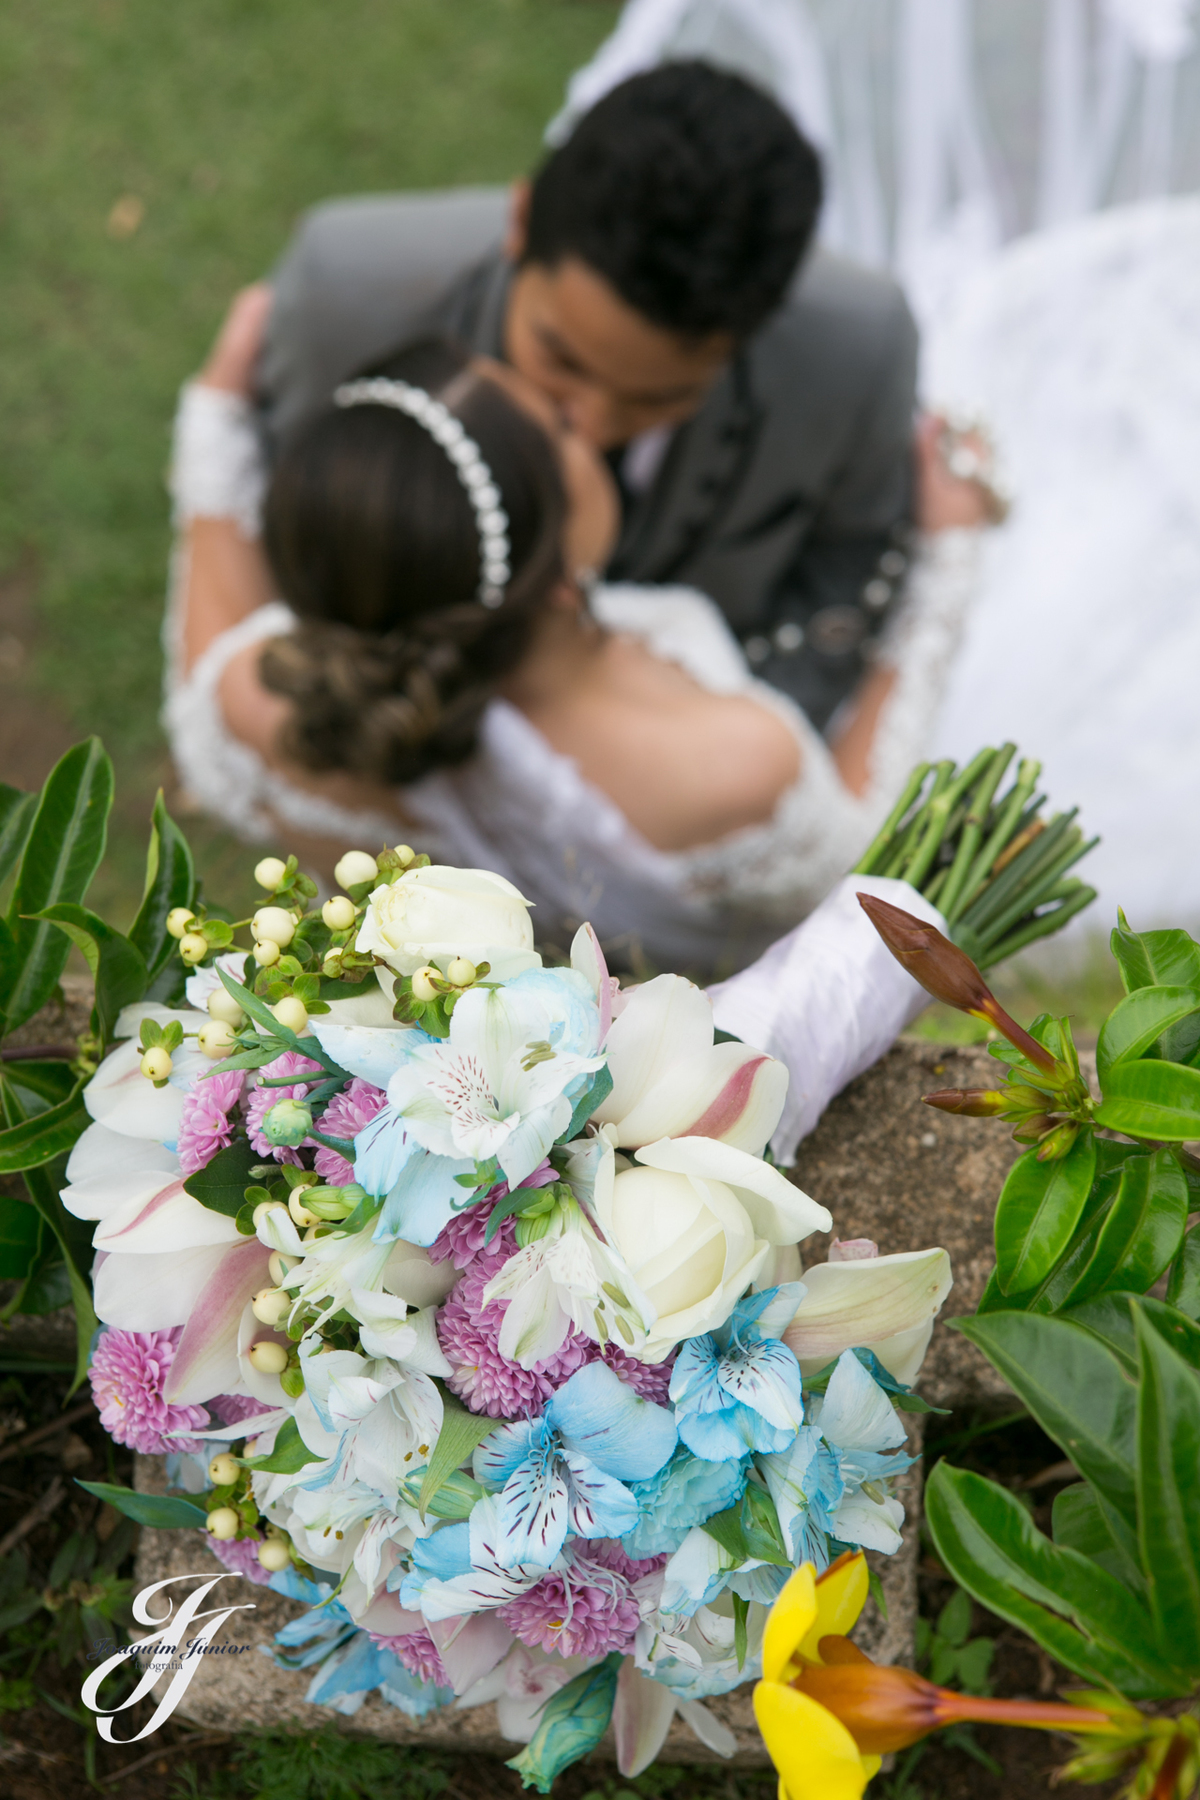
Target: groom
<point>755,405</point>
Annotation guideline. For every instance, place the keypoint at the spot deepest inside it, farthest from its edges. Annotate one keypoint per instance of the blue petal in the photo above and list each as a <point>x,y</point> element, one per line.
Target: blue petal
<point>686,1492</point>
<point>600,1506</point>
<point>501,1451</point>
<point>532,1510</point>
<point>401,1688</point>
<point>356,1669</point>
<point>766,1377</point>
<point>598,1415</point>
<point>855,1412</point>
<point>694,1385</point>
<point>381,1150</point>
<point>373,1052</point>
<point>423,1199</point>
<point>718,1436</point>
<point>570,1006</point>
<point>445,1553</point>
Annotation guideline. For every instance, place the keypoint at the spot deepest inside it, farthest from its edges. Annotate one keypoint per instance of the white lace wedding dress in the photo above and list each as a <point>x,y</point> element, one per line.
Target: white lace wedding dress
<point>523,809</point>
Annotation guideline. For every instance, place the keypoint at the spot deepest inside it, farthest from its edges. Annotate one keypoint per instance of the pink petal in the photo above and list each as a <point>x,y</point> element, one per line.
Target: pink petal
<point>206,1359</point>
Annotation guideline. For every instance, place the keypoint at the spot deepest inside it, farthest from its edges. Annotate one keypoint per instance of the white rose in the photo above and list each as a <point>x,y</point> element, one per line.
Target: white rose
<point>435,914</point>
<point>695,1220</point>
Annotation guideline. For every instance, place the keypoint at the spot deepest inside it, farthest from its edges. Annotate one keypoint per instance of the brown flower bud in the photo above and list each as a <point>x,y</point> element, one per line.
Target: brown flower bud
<point>948,973</point>
<point>970,1103</point>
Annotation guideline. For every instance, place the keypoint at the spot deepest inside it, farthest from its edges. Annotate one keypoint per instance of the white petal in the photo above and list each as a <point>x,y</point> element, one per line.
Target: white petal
<point>100,1152</point>
<point>779,1211</point>
<point>665,1021</point>
<point>729,1092</point>
<point>119,1096</point>
<point>852,1303</point>
<point>163,1219</point>
<point>153,1293</point>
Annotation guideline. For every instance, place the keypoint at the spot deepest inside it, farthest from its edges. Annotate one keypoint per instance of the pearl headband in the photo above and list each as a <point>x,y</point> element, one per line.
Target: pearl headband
<point>449,434</point>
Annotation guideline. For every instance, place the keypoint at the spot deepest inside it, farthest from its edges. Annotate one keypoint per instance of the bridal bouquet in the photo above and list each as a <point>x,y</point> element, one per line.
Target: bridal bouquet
<point>464,1295</point>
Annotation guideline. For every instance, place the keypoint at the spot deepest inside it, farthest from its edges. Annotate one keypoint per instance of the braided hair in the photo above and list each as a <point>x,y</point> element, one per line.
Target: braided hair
<point>374,545</point>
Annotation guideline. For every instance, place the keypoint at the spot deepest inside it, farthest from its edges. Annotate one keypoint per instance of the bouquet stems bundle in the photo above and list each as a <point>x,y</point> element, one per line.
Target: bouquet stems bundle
<point>992,864</point>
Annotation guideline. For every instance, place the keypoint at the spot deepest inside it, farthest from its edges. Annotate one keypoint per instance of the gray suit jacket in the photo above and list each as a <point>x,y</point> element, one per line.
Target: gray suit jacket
<point>786,498</point>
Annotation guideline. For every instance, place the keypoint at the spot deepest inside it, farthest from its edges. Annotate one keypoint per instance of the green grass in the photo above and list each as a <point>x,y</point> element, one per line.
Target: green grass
<point>224,119</point>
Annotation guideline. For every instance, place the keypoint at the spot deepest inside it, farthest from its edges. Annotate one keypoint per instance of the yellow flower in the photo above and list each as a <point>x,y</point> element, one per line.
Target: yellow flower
<point>816,1756</point>
<point>827,1712</point>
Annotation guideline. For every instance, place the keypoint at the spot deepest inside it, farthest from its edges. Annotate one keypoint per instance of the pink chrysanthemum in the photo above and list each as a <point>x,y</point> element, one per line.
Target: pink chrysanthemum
<point>651,1380</point>
<point>419,1654</point>
<point>347,1114</point>
<point>263,1099</point>
<point>206,1126</point>
<point>241,1556</point>
<point>127,1375</point>
<point>469,1333</point>
<point>587,1610</point>
<point>463,1237</point>
<point>231,1409</point>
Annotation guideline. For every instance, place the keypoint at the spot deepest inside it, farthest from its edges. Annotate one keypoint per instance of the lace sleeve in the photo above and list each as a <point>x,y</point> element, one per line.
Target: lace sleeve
<point>920,645</point>
<point>217,465</point>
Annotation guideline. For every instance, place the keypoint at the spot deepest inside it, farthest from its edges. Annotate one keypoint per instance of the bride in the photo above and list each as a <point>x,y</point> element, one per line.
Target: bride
<point>399,635</point>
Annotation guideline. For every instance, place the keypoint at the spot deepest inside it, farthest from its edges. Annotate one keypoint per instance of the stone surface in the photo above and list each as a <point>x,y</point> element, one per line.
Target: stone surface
<point>888,1169</point>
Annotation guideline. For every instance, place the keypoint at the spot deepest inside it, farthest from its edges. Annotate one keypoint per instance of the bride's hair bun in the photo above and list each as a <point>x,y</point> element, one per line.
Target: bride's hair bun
<point>374,545</point>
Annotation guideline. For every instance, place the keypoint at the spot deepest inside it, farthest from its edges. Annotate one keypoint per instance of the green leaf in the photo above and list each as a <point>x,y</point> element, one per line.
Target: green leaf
<point>1142,1231</point>
<point>1078,1524</point>
<point>954,1620</point>
<point>461,1434</point>
<point>594,1095</point>
<point>170,882</point>
<point>1155,958</point>
<point>21,1231</point>
<point>1039,1207</point>
<point>75,1239</point>
<point>750,1529</point>
<point>1080,1615</point>
<point>49,1286</point>
<point>16,817</point>
<point>1080,1395</point>
<point>1168,1479</point>
<point>1151,1099</point>
<point>66,844</point>
<point>41,1083</point>
<point>1137,1022</point>
<point>40,1139</point>
<point>163,1511</point>
<point>1183,1287</point>
<point>116,965</point>
<point>290,1453</point>
<point>221,1184</point>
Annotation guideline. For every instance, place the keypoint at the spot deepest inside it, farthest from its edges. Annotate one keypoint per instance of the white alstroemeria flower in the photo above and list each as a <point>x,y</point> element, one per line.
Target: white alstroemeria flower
<point>670,1080</point>
<point>389,1327</point>
<point>886,1304</point>
<point>697,1656</point>
<point>376,1283</point>
<point>500,1086</point>
<point>435,914</point>
<point>566,1279</point>
<point>694,1221</point>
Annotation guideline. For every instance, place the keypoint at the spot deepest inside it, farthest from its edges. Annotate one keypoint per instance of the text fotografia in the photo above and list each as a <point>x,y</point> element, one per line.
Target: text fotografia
<point>175,1652</point>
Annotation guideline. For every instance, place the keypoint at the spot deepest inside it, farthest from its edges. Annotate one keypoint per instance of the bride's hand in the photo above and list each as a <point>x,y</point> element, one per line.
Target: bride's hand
<point>230,365</point>
<point>949,500</point>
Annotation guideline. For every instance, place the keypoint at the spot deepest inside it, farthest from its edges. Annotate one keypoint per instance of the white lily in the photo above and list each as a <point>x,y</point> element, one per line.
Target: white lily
<point>120,1097</point>
<point>670,1080</point>
<point>886,1304</point>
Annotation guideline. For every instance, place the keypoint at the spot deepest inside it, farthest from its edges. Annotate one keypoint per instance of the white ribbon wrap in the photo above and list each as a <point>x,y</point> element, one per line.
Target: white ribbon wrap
<point>217,464</point>
<point>827,1000</point>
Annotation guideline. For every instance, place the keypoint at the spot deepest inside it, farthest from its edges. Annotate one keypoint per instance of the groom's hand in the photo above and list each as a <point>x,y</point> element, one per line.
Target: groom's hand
<point>231,362</point>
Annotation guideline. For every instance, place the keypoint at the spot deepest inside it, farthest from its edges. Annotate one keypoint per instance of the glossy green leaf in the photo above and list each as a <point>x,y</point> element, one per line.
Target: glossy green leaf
<point>16,817</point>
<point>1142,1231</point>
<point>221,1185</point>
<point>118,972</point>
<point>1155,958</point>
<point>163,1511</point>
<point>1039,1207</point>
<point>65,847</point>
<point>1077,1612</point>
<point>1080,1395</point>
<point>1183,1287</point>
<point>1137,1022</point>
<point>461,1434</point>
<point>47,1134</point>
<point>1110,1318</point>
<point>1168,1481</point>
<point>21,1231</point>
<point>1151,1099</point>
<point>1077,1523</point>
<point>170,882</point>
<point>48,1288</point>
<point>75,1240</point>
<point>290,1453</point>
<point>41,1083</point>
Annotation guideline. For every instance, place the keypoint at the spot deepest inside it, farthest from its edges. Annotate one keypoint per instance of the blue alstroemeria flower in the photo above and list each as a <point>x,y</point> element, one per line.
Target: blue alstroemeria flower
<point>457,1569</point>
<point>686,1491</point>
<point>348,1665</point>
<point>566,1472</point>
<point>738,1389</point>
<point>500,1090</point>
<point>829,1483</point>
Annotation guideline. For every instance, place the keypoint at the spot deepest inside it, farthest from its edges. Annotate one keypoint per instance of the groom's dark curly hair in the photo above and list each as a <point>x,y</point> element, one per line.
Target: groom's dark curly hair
<point>690,191</point>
